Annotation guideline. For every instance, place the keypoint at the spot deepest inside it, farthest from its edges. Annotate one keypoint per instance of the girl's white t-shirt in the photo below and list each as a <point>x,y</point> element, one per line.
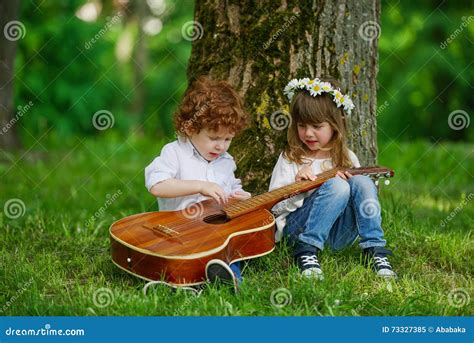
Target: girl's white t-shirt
<point>283,174</point>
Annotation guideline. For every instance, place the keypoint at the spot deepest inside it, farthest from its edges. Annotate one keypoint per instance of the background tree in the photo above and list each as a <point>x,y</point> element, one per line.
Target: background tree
<point>259,46</point>
<point>70,68</point>
<point>10,31</point>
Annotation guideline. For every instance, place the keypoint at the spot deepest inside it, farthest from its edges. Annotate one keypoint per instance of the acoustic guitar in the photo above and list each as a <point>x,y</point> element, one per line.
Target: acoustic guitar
<point>175,246</point>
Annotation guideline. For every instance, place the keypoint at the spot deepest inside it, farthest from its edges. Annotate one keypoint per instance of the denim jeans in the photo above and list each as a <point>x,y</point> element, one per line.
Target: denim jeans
<point>337,213</point>
<point>236,269</point>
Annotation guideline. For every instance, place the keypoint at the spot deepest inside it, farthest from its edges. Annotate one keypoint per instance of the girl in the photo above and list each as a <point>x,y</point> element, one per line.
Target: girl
<point>344,207</point>
<point>197,166</point>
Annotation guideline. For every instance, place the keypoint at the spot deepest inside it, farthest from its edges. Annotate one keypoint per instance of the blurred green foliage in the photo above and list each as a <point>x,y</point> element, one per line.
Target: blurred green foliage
<point>69,78</point>
<point>425,70</point>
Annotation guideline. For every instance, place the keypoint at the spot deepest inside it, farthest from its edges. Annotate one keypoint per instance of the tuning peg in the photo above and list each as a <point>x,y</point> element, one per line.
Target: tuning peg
<point>387,182</point>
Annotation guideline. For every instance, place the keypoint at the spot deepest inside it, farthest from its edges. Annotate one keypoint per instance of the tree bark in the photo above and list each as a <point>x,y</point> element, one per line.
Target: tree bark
<point>8,133</point>
<point>259,46</point>
<point>140,59</point>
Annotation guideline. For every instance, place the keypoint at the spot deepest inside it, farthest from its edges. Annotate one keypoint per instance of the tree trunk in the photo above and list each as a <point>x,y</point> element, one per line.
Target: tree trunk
<point>139,62</point>
<point>259,46</point>
<point>8,12</point>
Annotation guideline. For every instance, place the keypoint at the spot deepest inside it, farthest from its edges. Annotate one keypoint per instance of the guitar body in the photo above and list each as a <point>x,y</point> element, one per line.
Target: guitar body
<point>175,246</point>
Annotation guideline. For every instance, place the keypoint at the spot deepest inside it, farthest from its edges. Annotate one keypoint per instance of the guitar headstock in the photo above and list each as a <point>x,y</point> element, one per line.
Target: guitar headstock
<point>375,173</point>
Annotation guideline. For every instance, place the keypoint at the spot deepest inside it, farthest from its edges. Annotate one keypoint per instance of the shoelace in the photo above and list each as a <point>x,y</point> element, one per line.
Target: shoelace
<point>312,260</point>
<point>382,262</point>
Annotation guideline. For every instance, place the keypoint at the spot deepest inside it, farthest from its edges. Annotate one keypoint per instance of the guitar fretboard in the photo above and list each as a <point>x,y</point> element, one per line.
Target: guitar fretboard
<point>269,199</point>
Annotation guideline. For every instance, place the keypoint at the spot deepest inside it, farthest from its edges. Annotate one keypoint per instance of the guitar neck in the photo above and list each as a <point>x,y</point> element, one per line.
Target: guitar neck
<point>269,199</point>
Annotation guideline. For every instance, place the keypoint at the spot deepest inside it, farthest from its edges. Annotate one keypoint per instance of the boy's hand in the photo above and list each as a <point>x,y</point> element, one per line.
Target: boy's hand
<point>214,191</point>
<point>241,195</point>
<point>305,173</point>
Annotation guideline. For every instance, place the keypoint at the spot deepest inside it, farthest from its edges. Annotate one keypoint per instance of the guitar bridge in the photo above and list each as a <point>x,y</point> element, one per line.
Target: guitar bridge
<point>162,229</point>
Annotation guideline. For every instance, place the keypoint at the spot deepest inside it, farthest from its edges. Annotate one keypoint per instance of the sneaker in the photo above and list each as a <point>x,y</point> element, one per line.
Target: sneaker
<point>219,271</point>
<point>377,258</point>
<point>309,265</point>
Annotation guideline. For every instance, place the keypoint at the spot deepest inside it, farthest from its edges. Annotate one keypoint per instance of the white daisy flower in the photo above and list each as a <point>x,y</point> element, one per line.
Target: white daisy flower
<point>326,86</point>
<point>338,98</point>
<point>293,83</point>
<point>289,95</point>
<point>288,91</point>
<point>303,83</point>
<point>348,104</point>
<point>310,82</point>
<point>315,88</point>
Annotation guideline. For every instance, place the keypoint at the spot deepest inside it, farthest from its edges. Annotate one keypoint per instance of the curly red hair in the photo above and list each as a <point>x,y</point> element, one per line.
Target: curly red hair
<point>209,104</point>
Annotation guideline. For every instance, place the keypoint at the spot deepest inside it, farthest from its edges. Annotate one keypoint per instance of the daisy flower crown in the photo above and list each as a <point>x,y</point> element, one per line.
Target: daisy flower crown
<point>317,87</point>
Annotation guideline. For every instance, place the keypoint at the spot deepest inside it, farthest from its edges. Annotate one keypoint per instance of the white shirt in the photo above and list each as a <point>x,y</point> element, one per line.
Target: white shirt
<point>180,160</point>
<point>284,173</point>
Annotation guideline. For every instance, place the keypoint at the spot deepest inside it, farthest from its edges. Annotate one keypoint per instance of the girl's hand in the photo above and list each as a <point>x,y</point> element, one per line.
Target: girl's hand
<point>344,175</point>
<point>214,191</point>
<point>241,195</point>
<point>305,173</point>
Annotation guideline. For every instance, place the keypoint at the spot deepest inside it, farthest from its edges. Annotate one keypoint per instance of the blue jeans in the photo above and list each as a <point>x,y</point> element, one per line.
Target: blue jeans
<point>337,213</point>
<point>236,269</point>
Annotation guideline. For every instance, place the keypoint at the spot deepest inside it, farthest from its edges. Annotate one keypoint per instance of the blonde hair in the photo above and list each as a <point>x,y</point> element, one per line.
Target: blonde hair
<point>306,109</point>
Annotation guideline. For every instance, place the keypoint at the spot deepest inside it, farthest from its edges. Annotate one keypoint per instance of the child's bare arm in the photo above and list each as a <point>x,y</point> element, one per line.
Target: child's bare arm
<point>173,188</point>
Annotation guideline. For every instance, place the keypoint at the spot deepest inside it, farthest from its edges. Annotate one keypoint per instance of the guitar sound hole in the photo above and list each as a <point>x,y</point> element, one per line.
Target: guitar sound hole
<point>218,218</point>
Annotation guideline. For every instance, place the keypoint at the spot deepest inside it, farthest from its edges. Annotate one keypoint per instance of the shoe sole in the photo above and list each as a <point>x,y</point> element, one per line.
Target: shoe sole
<point>218,270</point>
<point>313,274</point>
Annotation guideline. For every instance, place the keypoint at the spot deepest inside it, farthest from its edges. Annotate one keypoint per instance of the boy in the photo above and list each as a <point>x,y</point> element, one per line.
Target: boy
<point>197,165</point>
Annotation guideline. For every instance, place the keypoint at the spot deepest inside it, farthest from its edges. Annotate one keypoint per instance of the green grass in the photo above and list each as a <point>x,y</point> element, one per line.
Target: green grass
<point>52,263</point>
